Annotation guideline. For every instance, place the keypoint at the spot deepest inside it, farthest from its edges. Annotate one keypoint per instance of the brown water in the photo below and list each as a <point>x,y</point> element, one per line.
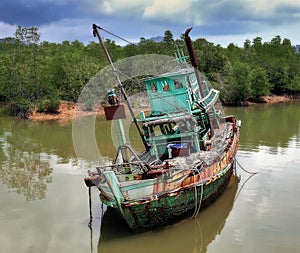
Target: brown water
<point>44,203</point>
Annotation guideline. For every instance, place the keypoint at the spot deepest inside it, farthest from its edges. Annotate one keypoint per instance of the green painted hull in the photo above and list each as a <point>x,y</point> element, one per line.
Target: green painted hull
<point>165,209</point>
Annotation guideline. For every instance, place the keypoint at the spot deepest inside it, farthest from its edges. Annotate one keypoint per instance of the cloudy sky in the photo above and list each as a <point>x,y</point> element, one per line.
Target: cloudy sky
<point>219,21</point>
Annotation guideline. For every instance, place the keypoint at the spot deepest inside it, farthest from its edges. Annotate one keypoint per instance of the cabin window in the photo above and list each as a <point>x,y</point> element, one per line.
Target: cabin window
<point>188,81</point>
<point>168,128</point>
<point>166,86</point>
<point>155,131</point>
<point>178,84</point>
<point>153,87</point>
<point>191,78</point>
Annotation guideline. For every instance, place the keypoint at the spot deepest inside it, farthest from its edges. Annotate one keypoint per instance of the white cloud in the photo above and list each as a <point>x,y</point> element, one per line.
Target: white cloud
<point>200,12</point>
<point>172,9</point>
<point>267,33</point>
<point>268,6</point>
<point>119,7</point>
<point>7,30</point>
<point>67,30</point>
<point>113,6</point>
<point>221,22</point>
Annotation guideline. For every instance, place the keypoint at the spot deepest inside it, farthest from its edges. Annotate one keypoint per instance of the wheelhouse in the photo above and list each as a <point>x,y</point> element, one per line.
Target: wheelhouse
<point>178,123</point>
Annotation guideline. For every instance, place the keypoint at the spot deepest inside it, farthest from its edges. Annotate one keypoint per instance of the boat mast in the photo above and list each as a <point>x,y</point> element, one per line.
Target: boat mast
<point>114,70</point>
<point>193,59</point>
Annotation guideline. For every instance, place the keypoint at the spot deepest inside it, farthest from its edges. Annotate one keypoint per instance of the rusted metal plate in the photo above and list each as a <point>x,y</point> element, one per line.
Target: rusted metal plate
<point>114,112</point>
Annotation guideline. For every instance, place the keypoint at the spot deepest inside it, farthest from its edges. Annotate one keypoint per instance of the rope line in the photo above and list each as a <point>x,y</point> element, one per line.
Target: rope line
<point>249,172</point>
<point>197,205</point>
<point>117,36</point>
<point>201,195</point>
<point>238,193</point>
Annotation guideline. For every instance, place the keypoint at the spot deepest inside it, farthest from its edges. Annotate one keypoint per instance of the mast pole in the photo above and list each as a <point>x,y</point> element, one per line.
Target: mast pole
<point>114,70</point>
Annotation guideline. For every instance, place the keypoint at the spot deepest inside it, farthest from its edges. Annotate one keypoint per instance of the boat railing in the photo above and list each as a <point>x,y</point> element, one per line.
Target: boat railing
<point>210,99</point>
<point>118,167</point>
<point>167,119</point>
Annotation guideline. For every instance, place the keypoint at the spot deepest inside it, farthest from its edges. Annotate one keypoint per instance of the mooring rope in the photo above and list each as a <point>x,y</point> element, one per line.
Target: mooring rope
<point>197,205</point>
<point>249,172</point>
<point>195,188</point>
<point>196,196</point>
<point>201,194</point>
<point>201,236</point>
<point>238,193</point>
<point>198,202</point>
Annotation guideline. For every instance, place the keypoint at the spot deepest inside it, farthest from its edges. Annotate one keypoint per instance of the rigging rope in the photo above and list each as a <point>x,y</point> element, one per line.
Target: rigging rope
<point>115,35</point>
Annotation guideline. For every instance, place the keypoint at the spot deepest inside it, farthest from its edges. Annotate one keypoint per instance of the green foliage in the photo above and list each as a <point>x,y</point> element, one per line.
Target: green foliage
<point>168,38</point>
<point>21,107</point>
<point>70,74</point>
<point>50,105</point>
<point>275,65</point>
<point>260,85</point>
<point>211,59</point>
<point>294,85</point>
<point>19,85</point>
<point>239,87</point>
<point>39,75</point>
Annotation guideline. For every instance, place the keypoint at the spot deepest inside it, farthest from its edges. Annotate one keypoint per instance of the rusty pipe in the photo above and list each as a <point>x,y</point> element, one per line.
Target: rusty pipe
<point>193,59</point>
<point>190,48</point>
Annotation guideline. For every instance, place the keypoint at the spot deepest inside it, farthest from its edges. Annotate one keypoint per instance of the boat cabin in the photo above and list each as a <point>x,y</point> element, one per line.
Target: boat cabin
<point>179,122</point>
<point>172,92</point>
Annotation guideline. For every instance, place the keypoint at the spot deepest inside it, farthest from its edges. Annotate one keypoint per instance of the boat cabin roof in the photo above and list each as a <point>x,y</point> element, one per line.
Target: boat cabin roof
<point>171,92</point>
<point>180,72</point>
<point>176,92</point>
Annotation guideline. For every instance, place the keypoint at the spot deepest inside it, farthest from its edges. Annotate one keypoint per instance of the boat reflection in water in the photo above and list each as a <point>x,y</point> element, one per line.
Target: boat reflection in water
<point>189,235</point>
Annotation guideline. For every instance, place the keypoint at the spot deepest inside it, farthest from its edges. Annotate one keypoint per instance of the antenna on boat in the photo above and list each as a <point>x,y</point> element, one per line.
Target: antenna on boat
<point>114,70</point>
<point>193,59</point>
<point>180,57</point>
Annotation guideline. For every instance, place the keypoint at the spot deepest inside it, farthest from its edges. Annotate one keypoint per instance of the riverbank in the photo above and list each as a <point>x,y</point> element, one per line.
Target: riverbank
<point>273,99</point>
<point>67,110</point>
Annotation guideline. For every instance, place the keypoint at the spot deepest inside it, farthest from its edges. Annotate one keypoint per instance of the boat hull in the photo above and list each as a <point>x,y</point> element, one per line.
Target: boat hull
<point>171,207</point>
<point>182,189</point>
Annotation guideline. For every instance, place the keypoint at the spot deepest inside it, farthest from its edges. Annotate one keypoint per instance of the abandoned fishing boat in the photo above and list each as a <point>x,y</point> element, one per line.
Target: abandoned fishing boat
<point>189,155</point>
